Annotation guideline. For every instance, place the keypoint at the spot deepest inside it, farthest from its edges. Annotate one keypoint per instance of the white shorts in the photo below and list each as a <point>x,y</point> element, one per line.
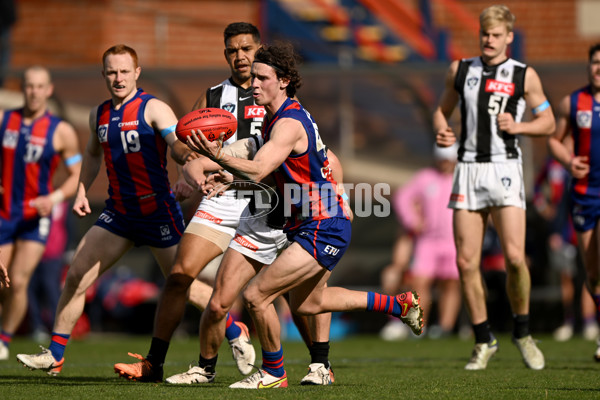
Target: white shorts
<point>221,213</point>
<point>477,186</point>
<point>256,240</point>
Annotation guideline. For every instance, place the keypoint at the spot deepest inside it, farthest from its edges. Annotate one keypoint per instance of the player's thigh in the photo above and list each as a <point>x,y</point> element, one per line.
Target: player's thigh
<point>26,256</point>
<point>293,267</point>
<point>234,273</point>
<point>195,252</point>
<point>97,251</point>
<point>165,257</point>
<point>469,228</point>
<point>510,225</point>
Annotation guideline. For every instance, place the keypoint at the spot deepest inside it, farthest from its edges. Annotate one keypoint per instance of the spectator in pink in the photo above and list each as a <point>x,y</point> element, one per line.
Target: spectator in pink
<point>421,206</point>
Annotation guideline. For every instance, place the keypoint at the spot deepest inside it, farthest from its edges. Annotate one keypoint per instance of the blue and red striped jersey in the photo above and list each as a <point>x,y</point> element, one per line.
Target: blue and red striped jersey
<point>585,123</point>
<point>28,162</point>
<point>305,180</point>
<point>135,157</point>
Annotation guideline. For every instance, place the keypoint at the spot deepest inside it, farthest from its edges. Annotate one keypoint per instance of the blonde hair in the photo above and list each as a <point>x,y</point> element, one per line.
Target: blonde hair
<point>495,15</point>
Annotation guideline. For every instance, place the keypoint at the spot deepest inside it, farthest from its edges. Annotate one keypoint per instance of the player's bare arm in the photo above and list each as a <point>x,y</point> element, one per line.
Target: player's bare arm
<point>444,135</point>
<point>543,118</point>
<point>66,143</point>
<point>577,166</point>
<point>162,118</point>
<point>287,136</point>
<point>90,166</point>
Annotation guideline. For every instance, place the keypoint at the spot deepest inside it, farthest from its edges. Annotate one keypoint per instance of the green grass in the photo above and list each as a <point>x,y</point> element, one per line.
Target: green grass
<point>365,368</point>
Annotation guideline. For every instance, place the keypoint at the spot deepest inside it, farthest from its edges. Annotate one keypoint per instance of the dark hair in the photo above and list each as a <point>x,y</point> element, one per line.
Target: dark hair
<point>593,50</point>
<point>241,28</point>
<point>283,59</point>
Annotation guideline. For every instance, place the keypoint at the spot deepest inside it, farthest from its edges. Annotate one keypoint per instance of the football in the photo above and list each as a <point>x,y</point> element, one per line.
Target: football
<point>211,121</point>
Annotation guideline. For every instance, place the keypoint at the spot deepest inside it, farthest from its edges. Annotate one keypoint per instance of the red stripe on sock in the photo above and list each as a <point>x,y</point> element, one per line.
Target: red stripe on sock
<point>229,321</point>
<point>391,304</point>
<point>5,338</point>
<point>377,302</point>
<point>60,340</point>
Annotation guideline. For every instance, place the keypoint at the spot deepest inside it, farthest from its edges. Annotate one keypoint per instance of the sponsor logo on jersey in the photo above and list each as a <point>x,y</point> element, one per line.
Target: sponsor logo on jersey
<point>254,112</point>
<point>106,218</point>
<point>244,242</point>
<point>115,118</point>
<point>103,133</point>
<point>38,141</point>
<point>129,123</point>
<point>10,140</point>
<point>584,119</point>
<point>229,107</point>
<point>207,216</point>
<point>493,85</point>
<point>472,82</point>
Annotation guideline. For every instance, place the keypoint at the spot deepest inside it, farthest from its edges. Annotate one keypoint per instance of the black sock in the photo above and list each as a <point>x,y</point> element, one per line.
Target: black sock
<point>521,326</point>
<point>158,352</point>
<point>319,353</point>
<point>208,364</point>
<point>482,332</point>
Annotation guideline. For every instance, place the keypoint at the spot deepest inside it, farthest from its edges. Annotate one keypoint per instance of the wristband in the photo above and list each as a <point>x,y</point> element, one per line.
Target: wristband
<point>345,196</point>
<point>540,108</point>
<point>165,132</point>
<point>73,160</point>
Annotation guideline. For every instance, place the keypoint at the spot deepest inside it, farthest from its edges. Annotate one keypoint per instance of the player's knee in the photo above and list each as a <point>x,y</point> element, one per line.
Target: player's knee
<point>179,283</point>
<point>253,301</point>
<point>217,310</point>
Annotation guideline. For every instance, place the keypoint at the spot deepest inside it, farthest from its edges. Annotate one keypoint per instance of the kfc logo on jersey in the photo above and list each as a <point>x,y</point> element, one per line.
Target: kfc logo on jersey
<point>254,112</point>
<point>103,133</point>
<point>584,119</point>
<point>493,85</point>
<point>10,139</point>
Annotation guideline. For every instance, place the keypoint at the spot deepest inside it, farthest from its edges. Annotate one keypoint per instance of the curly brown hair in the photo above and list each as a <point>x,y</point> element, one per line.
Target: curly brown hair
<point>284,60</point>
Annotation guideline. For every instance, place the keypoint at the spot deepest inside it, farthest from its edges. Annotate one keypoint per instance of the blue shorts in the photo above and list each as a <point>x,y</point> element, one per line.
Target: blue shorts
<point>585,211</point>
<point>36,229</point>
<point>161,229</point>
<point>326,240</point>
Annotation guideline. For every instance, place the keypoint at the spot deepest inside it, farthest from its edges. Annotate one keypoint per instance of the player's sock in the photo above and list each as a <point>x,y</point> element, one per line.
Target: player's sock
<point>232,330</point>
<point>520,326</point>
<point>58,344</point>
<point>319,353</point>
<point>273,362</point>
<point>482,332</point>
<point>158,352</point>
<point>209,364</point>
<point>6,338</point>
<point>383,303</point>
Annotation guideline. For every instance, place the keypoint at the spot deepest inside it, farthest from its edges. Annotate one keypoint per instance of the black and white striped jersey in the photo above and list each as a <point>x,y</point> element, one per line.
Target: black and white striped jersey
<point>238,101</point>
<point>486,91</point>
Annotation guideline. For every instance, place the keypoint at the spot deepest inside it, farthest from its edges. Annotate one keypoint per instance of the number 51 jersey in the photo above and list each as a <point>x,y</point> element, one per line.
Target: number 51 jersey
<point>486,91</point>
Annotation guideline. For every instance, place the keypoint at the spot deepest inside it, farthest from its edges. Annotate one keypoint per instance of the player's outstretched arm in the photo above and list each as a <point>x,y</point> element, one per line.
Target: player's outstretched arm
<point>161,117</point>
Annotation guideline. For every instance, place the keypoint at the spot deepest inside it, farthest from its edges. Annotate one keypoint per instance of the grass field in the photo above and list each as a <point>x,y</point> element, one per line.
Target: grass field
<point>365,367</point>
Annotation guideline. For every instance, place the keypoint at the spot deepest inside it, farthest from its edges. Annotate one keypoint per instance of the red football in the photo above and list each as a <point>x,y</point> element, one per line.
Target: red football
<point>211,121</point>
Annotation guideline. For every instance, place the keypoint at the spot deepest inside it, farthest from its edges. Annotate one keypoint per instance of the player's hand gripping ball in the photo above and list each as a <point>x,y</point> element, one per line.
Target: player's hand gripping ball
<point>211,121</point>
